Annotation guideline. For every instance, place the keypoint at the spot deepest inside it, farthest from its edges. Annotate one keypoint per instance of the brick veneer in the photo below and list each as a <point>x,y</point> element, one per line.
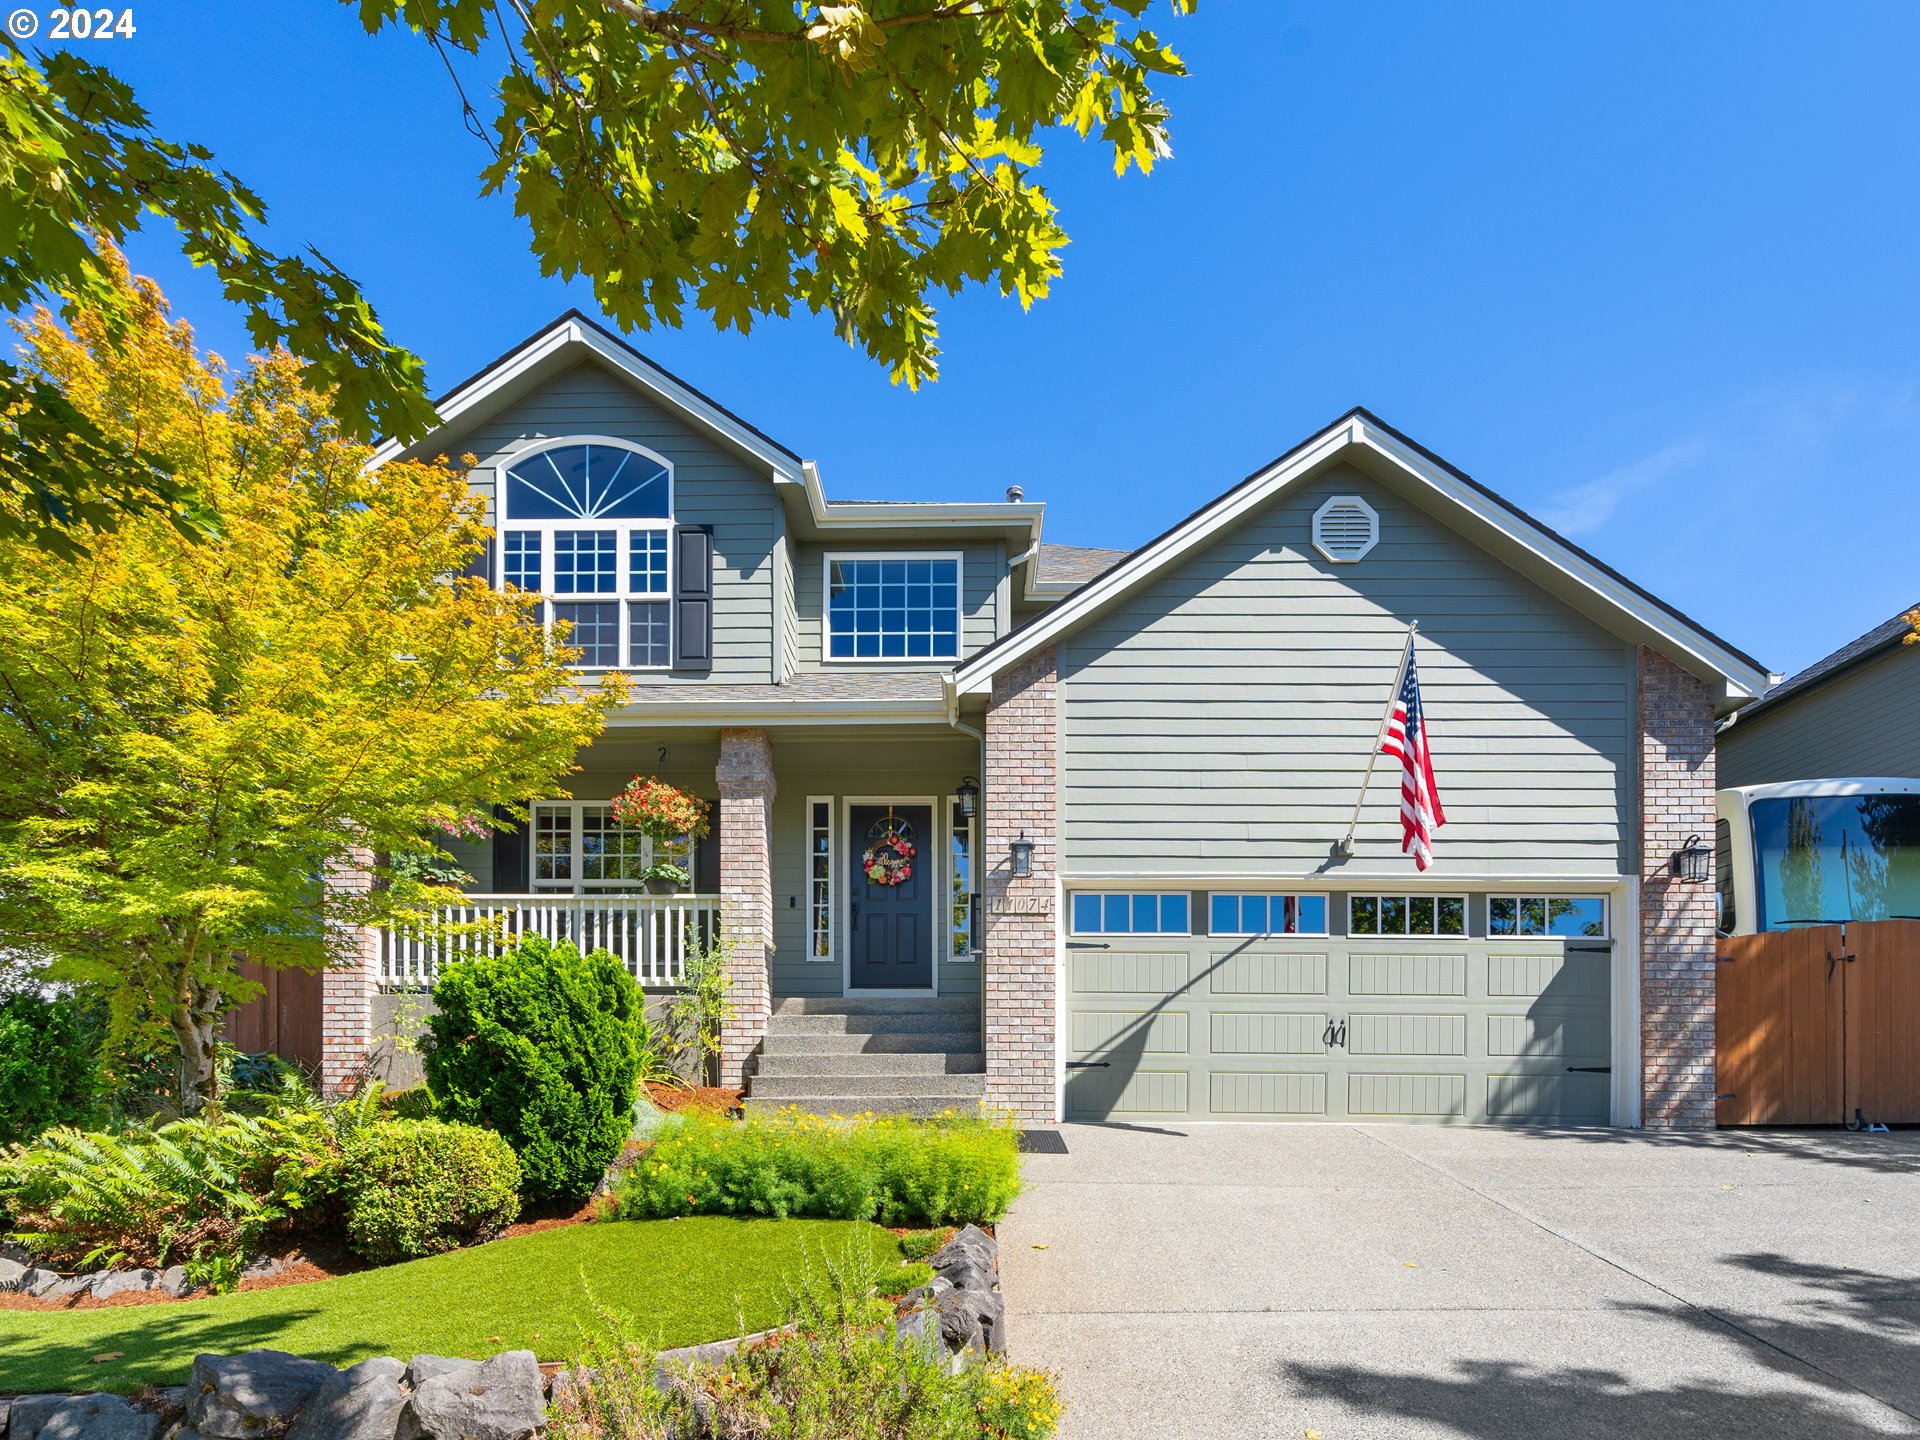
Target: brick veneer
<point>1019,1000</point>
<point>1676,918</point>
<point>747,788</point>
<point>347,985</point>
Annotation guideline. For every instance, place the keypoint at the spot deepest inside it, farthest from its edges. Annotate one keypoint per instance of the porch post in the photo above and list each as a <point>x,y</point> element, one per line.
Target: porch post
<point>347,986</point>
<point>1677,964</point>
<point>745,778</point>
<point>1019,999</point>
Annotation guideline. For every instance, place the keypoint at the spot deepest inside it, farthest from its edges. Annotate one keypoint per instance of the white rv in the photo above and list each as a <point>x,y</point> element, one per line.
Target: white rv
<point>1810,852</point>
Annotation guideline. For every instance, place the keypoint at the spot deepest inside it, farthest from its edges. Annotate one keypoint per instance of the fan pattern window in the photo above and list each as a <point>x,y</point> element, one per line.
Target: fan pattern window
<point>893,608</point>
<point>595,520</point>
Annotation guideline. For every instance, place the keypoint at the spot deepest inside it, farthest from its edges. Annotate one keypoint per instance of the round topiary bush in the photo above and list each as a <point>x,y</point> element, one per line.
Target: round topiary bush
<point>542,1045</point>
<point>418,1187</point>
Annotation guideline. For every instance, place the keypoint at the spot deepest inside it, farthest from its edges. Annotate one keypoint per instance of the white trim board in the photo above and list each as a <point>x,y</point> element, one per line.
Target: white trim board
<point>1629,612</point>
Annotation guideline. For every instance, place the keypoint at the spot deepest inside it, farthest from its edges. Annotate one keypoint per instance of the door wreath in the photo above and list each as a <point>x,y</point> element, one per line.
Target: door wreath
<point>890,852</point>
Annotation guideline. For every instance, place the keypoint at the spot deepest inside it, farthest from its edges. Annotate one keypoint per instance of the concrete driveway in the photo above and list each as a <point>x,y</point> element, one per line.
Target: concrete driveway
<point>1216,1281</point>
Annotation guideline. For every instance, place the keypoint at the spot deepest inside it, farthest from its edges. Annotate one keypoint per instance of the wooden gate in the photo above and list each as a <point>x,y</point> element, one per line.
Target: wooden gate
<point>284,1017</point>
<point>1814,1026</point>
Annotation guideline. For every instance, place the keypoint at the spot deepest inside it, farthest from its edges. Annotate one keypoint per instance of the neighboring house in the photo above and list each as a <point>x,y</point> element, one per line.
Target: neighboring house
<point>1850,714</point>
<point>1143,917</point>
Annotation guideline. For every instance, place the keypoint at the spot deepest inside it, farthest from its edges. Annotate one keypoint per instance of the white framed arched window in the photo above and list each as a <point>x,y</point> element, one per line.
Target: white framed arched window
<point>587,522</point>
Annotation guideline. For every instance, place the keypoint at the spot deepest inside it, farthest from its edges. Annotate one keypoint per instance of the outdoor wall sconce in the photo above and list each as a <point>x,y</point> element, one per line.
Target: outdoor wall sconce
<point>1693,861</point>
<point>1022,857</point>
<point>968,794</point>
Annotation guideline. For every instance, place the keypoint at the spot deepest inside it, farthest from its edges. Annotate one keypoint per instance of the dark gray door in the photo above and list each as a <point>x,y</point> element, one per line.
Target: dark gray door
<point>890,926</point>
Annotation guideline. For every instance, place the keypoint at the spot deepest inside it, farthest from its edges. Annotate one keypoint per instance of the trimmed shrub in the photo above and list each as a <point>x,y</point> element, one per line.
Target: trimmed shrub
<point>949,1170</point>
<point>542,1045</point>
<point>419,1187</point>
<point>49,1064</point>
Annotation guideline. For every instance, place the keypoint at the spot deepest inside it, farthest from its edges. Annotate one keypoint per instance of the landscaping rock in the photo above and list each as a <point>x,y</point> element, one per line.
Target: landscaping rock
<point>426,1367</point>
<point>500,1399</point>
<point>234,1397</point>
<point>969,1261</point>
<point>263,1266</point>
<point>362,1403</point>
<point>79,1417</point>
<point>72,1286</point>
<point>566,1383</point>
<point>10,1272</point>
<point>38,1281</point>
<point>972,1320</point>
<point>118,1282</point>
<point>920,1329</point>
<point>173,1281</point>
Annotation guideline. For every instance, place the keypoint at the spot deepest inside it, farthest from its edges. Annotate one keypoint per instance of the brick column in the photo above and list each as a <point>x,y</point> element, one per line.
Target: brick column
<point>1020,983</point>
<point>348,984</point>
<point>1676,918</point>
<point>745,777</point>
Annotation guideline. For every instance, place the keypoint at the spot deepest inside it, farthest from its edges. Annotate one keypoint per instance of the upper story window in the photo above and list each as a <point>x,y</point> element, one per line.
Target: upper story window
<point>893,607</point>
<point>588,524</point>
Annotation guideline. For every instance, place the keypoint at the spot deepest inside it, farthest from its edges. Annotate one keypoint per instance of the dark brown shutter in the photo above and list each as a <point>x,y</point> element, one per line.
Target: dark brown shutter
<point>511,875</point>
<point>692,597</point>
<point>480,567</point>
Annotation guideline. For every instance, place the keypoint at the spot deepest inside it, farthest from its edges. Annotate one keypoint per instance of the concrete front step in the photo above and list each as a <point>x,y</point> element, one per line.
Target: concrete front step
<point>890,1023</point>
<point>919,1105</point>
<point>872,1087</point>
<point>930,1062</point>
<point>878,1005</point>
<point>932,1042</point>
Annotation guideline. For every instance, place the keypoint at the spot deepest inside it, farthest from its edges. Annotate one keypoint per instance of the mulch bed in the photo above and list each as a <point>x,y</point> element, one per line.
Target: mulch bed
<point>717,1098</point>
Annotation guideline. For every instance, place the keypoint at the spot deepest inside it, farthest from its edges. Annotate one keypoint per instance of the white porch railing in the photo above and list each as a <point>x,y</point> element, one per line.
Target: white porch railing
<point>648,934</point>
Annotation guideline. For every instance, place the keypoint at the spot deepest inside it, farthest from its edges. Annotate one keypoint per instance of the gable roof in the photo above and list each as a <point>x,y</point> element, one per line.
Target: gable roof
<point>1627,607</point>
<point>1881,638</point>
<point>574,337</point>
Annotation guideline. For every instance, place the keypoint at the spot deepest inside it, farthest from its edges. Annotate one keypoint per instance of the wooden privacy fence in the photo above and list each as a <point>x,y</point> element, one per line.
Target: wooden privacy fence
<point>1820,1025</point>
<point>284,1017</point>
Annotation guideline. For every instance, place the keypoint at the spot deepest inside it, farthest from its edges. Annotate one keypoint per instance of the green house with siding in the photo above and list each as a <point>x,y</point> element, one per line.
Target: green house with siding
<point>1060,829</point>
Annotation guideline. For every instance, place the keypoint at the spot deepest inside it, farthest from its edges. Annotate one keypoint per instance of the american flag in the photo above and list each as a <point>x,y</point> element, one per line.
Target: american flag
<point>1406,741</point>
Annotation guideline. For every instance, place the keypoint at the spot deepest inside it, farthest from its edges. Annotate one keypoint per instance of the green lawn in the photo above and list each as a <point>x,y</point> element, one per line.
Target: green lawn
<point>679,1281</point>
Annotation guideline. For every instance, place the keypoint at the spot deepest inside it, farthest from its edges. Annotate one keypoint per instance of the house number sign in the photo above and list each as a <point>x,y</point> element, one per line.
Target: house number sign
<point>1020,905</point>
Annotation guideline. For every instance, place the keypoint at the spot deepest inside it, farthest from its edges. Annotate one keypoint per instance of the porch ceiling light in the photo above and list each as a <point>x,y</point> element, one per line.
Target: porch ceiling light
<point>1693,861</point>
<point>1022,850</point>
<point>968,794</point>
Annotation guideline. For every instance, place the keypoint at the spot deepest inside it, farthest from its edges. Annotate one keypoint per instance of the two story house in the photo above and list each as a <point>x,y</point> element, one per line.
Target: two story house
<point>1060,828</point>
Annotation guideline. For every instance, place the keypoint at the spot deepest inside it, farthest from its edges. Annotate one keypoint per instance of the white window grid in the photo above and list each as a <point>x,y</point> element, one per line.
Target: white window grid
<point>1542,916</point>
<point>1136,900</point>
<point>1410,907</point>
<point>579,848</point>
<point>1273,904</point>
<point>622,569</point>
<point>915,643</point>
<point>819,873</point>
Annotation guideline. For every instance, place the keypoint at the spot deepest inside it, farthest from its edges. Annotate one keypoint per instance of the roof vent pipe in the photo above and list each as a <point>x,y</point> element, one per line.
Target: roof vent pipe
<point>1015,494</point>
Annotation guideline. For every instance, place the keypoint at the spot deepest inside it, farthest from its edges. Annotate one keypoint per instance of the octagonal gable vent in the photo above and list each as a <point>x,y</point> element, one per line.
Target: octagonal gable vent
<point>1345,529</point>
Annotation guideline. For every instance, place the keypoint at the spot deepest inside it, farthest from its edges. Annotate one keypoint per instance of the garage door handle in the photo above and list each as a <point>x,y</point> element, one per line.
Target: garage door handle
<point>1088,1064</point>
<point>1589,1069</point>
<point>1088,945</point>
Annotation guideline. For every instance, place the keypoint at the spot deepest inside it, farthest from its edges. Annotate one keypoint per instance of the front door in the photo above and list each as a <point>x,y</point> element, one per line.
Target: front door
<point>890,902</point>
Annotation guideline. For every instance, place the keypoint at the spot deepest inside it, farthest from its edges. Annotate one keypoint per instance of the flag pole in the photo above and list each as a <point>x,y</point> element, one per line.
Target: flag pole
<point>1345,848</point>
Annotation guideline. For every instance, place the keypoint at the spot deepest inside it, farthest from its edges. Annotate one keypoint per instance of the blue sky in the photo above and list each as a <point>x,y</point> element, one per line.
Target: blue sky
<point>1649,271</point>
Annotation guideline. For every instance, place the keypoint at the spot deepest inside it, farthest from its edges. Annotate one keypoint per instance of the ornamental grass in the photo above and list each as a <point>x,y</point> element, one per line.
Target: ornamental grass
<point>950,1170</point>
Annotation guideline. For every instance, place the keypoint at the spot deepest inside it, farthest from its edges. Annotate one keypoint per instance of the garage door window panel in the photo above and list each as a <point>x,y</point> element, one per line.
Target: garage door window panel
<point>1410,916</point>
<point>1131,913</point>
<point>1259,915</point>
<point>1547,917</point>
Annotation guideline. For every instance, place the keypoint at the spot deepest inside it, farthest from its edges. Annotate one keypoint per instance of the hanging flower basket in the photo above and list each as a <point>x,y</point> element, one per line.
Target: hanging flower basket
<point>660,811</point>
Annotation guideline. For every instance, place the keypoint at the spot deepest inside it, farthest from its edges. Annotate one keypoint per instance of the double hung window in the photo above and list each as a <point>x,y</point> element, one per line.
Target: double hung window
<point>589,525</point>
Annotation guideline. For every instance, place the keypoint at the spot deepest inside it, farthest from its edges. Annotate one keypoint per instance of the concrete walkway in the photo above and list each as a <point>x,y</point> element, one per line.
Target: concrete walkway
<point>1214,1281</point>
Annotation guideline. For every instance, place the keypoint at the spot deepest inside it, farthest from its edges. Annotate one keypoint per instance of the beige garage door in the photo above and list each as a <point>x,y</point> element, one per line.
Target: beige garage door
<point>1338,1029</point>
